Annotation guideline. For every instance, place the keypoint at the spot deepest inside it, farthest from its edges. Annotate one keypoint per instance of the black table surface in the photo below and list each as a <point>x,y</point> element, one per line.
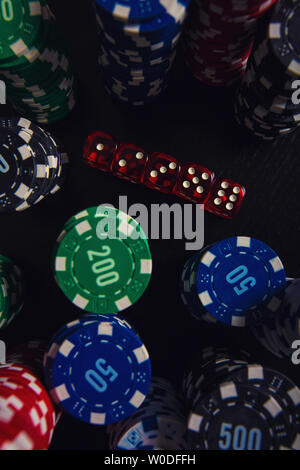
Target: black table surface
<point>192,122</point>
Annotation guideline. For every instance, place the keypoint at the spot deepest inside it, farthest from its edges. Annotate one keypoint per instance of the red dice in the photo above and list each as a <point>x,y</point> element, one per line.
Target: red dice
<point>129,162</point>
<point>225,198</point>
<point>99,150</point>
<point>161,172</point>
<point>194,182</point>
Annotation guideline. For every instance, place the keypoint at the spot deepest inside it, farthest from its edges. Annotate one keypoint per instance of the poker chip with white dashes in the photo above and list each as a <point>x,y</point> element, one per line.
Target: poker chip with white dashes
<point>33,165</point>
<point>27,416</point>
<point>33,62</point>
<point>137,46</point>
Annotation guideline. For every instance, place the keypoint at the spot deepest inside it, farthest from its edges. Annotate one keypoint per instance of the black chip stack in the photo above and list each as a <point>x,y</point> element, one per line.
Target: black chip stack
<point>267,103</point>
<point>234,405</point>
<point>33,165</point>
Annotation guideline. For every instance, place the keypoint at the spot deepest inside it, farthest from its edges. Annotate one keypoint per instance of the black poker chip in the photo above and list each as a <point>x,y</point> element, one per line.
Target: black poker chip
<point>234,404</point>
<point>264,103</point>
<point>33,165</point>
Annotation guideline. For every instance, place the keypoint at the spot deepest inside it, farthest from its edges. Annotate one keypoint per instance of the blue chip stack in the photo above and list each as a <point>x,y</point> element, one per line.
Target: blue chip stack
<point>158,425</point>
<point>137,46</point>
<point>97,369</point>
<point>34,65</point>
<point>278,331</point>
<point>232,282</point>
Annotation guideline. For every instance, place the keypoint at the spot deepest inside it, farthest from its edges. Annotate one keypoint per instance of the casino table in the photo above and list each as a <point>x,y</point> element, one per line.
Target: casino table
<point>192,122</point>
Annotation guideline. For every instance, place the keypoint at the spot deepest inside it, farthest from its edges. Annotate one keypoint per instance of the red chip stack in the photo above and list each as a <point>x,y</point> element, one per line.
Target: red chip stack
<point>219,36</point>
<point>27,415</point>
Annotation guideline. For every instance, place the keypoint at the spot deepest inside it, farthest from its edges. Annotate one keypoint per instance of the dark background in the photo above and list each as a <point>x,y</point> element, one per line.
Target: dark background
<point>191,122</point>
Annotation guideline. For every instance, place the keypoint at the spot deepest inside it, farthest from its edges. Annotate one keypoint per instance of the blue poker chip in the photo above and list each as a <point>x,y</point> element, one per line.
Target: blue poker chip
<point>152,30</point>
<point>162,431</point>
<point>131,11</point>
<point>101,372</point>
<point>237,278</point>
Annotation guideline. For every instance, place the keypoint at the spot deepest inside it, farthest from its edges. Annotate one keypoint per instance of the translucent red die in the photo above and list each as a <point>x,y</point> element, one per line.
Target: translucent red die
<point>194,182</point>
<point>99,150</point>
<point>129,162</point>
<point>161,172</point>
<point>225,198</point>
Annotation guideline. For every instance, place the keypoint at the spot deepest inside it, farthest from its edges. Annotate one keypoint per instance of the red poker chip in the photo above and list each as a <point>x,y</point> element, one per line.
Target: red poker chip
<point>38,401</point>
<point>29,418</point>
<point>18,416</point>
<point>219,36</point>
<point>15,439</point>
<point>20,368</point>
<point>25,378</point>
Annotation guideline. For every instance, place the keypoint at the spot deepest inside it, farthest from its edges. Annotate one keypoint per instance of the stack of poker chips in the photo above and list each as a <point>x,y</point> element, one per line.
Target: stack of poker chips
<point>159,424</point>
<point>97,369</point>
<point>118,267</point>
<point>11,291</point>
<point>33,63</point>
<point>234,405</point>
<point>219,36</point>
<point>27,417</point>
<point>32,164</point>
<point>232,282</point>
<point>265,104</point>
<point>138,45</point>
<point>279,330</point>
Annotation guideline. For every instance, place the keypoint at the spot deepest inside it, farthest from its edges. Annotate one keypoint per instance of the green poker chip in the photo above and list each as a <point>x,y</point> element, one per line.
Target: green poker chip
<point>38,76</point>
<point>11,291</point>
<point>102,260</point>
<point>20,22</point>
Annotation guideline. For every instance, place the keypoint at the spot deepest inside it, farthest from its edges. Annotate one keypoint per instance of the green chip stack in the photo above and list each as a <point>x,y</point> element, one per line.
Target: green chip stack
<point>33,63</point>
<point>11,291</point>
<point>102,261</point>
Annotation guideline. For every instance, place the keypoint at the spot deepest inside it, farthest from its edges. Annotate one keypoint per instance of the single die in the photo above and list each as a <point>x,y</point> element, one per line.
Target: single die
<point>161,172</point>
<point>225,198</point>
<point>194,182</point>
<point>99,150</point>
<point>129,162</point>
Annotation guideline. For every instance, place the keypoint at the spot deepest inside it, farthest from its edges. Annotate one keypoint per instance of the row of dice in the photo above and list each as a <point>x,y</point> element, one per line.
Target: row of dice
<point>164,173</point>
